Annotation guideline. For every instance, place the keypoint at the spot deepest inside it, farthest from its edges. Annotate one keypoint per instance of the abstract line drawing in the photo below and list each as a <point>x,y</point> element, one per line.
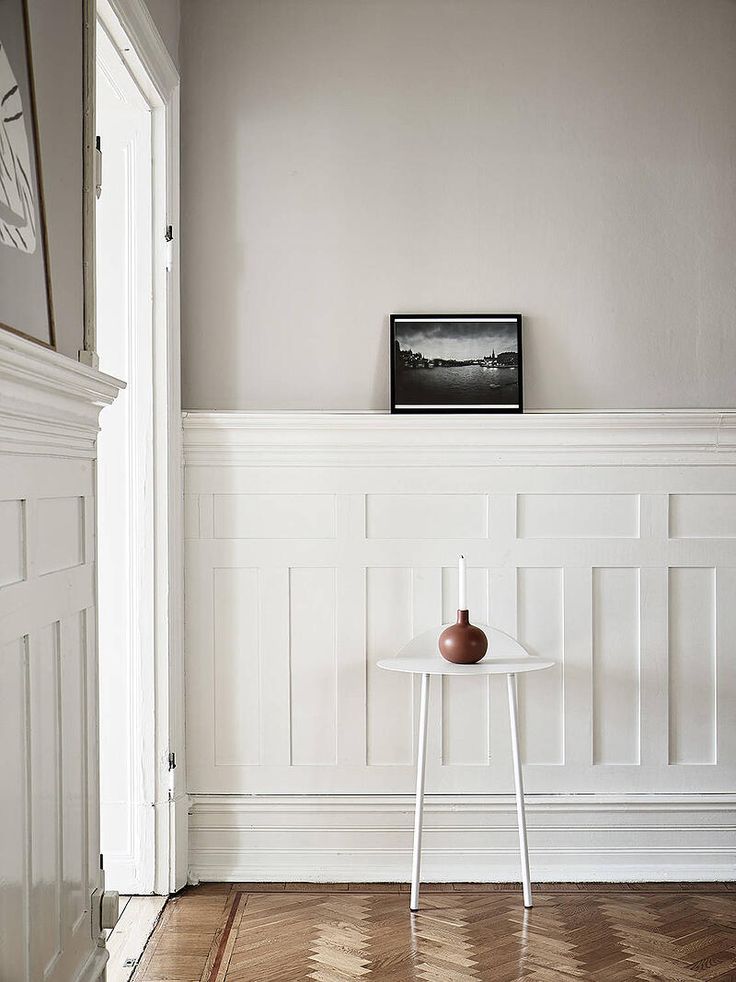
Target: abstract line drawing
<point>26,307</point>
<point>17,205</point>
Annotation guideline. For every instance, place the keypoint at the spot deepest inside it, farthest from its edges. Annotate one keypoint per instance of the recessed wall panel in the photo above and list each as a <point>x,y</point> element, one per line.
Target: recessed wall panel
<point>46,821</point>
<point>540,613</point>
<point>313,666</point>
<point>274,516</point>
<point>465,707</point>
<point>59,539</point>
<point>12,547</point>
<point>13,777</point>
<point>389,720</point>
<point>616,675</point>
<point>73,725</point>
<point>577,516</point>
<point>426,516</point>
<point>236,661</point>
<point>702,516</point>
<point>692,664</point>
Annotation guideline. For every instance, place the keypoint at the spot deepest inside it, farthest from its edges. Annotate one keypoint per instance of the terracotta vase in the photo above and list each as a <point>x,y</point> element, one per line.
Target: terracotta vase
<point>463,643</point>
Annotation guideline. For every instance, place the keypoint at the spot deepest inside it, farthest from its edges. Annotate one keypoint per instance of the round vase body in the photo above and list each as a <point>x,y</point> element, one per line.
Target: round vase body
<point>463,643</point>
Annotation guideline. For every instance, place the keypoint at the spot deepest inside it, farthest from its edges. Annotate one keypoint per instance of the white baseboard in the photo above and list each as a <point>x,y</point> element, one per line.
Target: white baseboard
<point>470,838</point>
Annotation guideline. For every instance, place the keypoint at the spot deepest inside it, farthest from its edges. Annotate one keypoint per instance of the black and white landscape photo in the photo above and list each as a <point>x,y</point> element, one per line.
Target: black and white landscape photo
<point>464,363</point>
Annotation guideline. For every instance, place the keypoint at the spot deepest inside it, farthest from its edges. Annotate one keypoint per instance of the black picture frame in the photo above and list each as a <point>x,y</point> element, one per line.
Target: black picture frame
<point>401,405</point>
<point>28,309</point>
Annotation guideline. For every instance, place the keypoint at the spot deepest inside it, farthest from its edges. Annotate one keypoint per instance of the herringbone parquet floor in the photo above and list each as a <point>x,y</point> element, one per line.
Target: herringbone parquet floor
<point>298,933</point>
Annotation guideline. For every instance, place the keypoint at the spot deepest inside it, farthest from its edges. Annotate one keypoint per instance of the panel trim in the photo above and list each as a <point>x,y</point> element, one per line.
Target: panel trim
<point>49,404</point>
<point>327,439</point>
<point>348,838</point>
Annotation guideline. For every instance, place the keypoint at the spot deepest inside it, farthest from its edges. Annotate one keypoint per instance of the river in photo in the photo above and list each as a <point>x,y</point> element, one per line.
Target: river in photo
<point>457,385</point>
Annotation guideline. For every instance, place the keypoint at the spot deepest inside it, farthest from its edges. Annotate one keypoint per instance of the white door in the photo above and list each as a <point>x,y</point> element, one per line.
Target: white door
<point>125,476</point>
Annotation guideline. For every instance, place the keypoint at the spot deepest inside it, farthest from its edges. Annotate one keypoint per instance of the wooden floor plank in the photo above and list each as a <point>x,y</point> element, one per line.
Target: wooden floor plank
<point>128,938</point>
<point>597,933</point>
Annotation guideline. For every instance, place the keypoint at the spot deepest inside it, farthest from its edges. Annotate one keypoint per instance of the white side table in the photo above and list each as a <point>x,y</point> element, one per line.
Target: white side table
<point>505,657</point>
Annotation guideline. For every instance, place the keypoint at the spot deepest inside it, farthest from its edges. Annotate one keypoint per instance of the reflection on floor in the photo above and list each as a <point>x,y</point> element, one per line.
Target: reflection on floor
<point>126,941</point>
<point>334,933</point>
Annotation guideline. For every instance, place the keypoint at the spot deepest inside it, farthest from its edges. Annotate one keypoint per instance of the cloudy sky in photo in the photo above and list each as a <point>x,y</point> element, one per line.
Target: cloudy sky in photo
<point>461,341</point>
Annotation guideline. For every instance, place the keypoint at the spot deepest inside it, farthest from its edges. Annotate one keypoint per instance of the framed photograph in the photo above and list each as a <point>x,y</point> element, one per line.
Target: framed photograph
<point>456,363</point>
<point>25,291</point>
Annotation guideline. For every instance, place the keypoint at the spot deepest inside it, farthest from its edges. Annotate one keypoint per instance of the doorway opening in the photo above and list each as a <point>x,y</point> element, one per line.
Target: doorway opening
<point>142,788</point>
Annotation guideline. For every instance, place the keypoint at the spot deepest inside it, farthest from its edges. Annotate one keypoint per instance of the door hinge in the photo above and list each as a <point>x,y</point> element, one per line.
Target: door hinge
<point>172,760</point>
<point>98,166</point>
<point>169,238</point>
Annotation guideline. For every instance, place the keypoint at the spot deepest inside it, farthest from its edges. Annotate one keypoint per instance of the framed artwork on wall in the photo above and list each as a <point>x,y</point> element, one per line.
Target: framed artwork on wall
<point>456,363</point>
<point>25,289</point>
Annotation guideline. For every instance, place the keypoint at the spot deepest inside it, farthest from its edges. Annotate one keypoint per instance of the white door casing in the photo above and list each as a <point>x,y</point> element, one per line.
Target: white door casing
<point>128,31</point>
<point>125,480</point>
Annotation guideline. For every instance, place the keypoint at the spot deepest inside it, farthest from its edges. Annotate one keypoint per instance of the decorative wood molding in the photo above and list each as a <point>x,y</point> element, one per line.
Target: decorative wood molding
<point>141,33</point>
<point>49,404</point>
<point>334,439</point>
<point>468,837</point>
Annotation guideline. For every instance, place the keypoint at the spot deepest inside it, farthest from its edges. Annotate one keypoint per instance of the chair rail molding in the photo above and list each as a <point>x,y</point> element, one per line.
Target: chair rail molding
<point>50,861</point>
<point>673,436</point>
<point>317,544</point>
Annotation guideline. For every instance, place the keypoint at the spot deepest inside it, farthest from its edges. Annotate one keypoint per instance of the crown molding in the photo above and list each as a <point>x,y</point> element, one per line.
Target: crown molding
<point>380,439</point>
<point>49,404</point>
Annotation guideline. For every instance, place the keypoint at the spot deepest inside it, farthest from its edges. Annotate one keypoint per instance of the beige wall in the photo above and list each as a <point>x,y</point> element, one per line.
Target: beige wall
<point>570,159</point>
<point>165,14</point>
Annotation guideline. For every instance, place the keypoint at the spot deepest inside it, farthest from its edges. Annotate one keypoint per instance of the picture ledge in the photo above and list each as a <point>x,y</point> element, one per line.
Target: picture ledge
<point>677,436</point>
<point>493,419</point>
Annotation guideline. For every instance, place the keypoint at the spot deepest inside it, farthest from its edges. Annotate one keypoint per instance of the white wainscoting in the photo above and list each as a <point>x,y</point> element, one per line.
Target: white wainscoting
<point>49,833</point>
<point>317,544</point>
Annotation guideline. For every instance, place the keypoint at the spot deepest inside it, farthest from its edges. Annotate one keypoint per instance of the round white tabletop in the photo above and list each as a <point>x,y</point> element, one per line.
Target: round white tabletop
<point>505,656</point>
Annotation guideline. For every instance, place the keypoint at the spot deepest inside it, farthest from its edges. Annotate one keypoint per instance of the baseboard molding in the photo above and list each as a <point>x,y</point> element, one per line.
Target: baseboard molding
<point>471,838</point>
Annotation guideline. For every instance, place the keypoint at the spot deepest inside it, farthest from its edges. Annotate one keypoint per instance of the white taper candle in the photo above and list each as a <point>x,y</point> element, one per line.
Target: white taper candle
<point>463,585</point>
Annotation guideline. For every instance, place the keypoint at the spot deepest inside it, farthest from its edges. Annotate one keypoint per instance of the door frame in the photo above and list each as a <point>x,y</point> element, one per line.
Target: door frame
<point>129,25</point>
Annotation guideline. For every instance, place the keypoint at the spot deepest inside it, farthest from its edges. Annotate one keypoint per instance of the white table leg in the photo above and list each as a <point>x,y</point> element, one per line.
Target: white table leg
<point>416,861</point>
<point>519,786</point>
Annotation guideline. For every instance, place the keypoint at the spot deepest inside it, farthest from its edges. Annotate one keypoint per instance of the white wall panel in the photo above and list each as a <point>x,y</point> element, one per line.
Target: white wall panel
<point>237,666</point>
<point>12,537</point>
<point>274,516</point>
<point>571,554</point>
<point>541,702</point>
<point>616,666</point>
<point>692,666</point>
<point>702,516</point>
<point>313,666</point>
<point>72,695</point>
<point>46,777</point>
<point>14,782</point>
<point>578,516</point>
<point>389,706</point>
<point>426,516</point>
<point>59,533</point>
